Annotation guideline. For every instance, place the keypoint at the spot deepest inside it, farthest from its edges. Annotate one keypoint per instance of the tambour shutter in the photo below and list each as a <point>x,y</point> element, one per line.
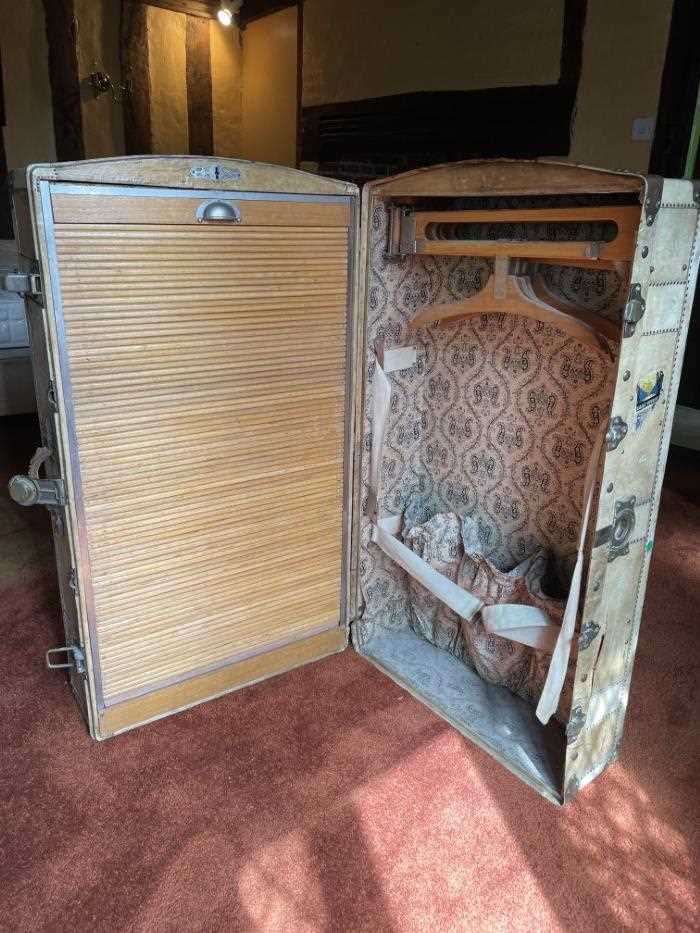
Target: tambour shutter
<point>202,344</point>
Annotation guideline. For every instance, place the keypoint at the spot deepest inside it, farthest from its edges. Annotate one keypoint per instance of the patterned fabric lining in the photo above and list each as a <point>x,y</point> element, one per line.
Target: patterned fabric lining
<point>496,419</point>
<point>494,717</point>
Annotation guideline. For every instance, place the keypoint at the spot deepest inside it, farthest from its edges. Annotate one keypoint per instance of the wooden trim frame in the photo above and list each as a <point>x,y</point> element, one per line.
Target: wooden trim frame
<point>620,247</point>
<point>151,209</point>
<point>206,172</point>
<point>196,690</point>
<point>507,177</point>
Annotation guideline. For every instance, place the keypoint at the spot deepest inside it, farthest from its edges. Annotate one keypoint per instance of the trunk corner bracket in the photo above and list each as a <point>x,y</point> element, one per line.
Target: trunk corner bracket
<point>589,630</point>
<point>652,198</point>
<point>617,430</point>
<point>575,725</point>
<point>634,310</point>
<point>572,788</point>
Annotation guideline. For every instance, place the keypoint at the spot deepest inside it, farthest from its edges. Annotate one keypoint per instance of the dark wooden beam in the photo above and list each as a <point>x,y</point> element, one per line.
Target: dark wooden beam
<point>6,232</point>
<point>205,9</point>
<point>679,91</point>
<point>255,9</point>
<point>61,33</point>
<point>3,119</point>
<point>200,116</point>
<point>300,77</point>
<point>133,49</point>
<point>571,59</point>
<point>402,131</point>
<point>674,121</point>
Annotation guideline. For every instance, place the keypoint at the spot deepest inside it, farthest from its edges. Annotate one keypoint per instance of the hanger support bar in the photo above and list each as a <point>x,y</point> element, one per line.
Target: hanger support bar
<point>437,233</point>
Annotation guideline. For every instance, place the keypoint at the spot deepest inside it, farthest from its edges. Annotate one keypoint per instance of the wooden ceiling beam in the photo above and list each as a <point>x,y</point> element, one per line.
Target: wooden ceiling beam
<point>202,8</point>
<point>255,9</point>
<point>207,9</point>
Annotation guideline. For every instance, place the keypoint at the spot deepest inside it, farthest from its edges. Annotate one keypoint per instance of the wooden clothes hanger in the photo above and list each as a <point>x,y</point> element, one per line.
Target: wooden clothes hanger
<point>515,292</point>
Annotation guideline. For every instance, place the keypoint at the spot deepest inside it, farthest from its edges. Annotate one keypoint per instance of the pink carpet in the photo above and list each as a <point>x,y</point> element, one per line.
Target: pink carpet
<point>328,799</point>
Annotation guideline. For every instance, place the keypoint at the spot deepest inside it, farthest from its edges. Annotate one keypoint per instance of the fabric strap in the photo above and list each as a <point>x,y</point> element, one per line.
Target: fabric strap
<point>549,698</point>
<point>458,599</point>
<point>527,625</point>
<point>381,392</point>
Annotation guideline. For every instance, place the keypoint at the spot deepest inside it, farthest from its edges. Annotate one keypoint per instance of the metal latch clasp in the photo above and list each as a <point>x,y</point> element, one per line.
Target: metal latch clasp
<point>402,232</point>
<point>25,490</point>
<point>619,533</point>
<point>634,310</point>
<point>24,283</point>
<point>30,490</point>
<point>77,658</point>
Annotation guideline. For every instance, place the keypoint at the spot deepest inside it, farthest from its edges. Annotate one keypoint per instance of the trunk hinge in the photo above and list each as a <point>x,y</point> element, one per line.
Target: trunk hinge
<point>51,395</point>
<point>652,200</point>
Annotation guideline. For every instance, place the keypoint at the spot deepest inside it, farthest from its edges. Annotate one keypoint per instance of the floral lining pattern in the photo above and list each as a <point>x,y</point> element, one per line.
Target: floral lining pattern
<point>496,419</point>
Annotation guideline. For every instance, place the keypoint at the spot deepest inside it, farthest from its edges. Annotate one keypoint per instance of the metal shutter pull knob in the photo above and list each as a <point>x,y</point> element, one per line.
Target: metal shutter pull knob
<point>218,212</point>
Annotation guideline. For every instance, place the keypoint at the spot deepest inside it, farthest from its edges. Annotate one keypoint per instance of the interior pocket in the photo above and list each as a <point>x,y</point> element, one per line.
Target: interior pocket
<point>438,542</point>
<point>449,543</point>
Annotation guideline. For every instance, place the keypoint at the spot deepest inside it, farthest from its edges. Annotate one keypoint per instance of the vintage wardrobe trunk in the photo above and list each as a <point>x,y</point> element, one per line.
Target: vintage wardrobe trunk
<point>207,339</point>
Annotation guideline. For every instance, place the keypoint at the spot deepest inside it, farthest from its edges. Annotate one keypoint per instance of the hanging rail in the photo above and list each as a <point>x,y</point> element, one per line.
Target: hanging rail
<point>453,233</point>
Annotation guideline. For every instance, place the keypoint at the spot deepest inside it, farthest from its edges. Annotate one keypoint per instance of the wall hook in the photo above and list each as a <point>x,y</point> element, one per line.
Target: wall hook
<point>102,83</point>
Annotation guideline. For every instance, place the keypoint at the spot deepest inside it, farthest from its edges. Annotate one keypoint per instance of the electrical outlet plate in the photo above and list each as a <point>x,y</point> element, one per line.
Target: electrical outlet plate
<point>643,128</point>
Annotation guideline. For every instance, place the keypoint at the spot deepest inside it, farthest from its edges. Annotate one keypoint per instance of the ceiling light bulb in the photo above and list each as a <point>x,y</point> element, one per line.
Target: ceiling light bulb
<point>225,16</point>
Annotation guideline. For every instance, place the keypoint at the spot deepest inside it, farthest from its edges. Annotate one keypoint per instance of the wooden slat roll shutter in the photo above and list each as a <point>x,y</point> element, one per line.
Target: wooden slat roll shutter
<point>207,366</point>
